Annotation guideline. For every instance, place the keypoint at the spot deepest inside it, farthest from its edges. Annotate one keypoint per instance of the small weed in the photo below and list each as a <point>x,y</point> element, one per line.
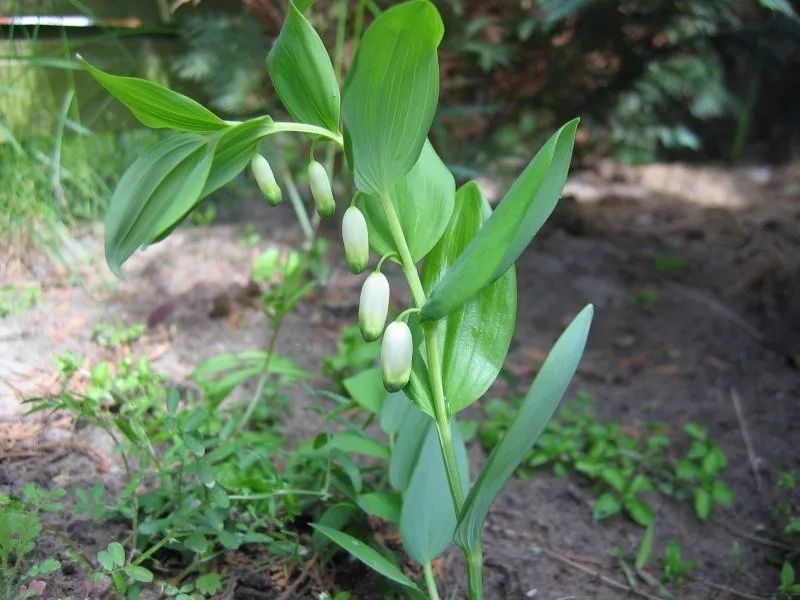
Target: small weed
<point>643,299</point>
<point>675,567</point>
<point>20,526</point>
<point>667,264</point>
<point>112,335</point>
<point>622,467</point>
<point>16,299</point>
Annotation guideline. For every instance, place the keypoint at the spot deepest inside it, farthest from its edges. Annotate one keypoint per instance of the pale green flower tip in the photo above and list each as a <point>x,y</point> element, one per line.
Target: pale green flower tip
<point>373,306</point>
<point>396,355</point>
<point>355,239</point>
<point>321,189</point>
<point>265,179</point>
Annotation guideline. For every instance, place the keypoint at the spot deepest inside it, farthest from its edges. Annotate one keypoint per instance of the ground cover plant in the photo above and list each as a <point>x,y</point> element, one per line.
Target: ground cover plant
<point>444,351</point>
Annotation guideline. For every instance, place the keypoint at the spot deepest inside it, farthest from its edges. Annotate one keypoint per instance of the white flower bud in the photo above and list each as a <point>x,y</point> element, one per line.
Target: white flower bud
<point>355,239</point>
<point>396,354</point>
<point>374,306</point>
<point>265,179</point>
<point>321,189</point>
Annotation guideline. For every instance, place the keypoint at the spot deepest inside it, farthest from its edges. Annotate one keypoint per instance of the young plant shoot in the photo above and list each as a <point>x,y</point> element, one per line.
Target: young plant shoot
<point>457,255</point>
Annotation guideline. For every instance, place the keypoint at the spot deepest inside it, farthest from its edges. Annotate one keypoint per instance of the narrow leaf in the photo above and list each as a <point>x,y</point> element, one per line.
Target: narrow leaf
<point>423,200</point>
<point>537,408</point>
<point>510,229</point>
<point>157,106</point>
<point>391,94</point>
<point>475,337</point>
<point>156,192</point>
<point>369,556</point>
<point>302,73</point>
<point>356,442</point>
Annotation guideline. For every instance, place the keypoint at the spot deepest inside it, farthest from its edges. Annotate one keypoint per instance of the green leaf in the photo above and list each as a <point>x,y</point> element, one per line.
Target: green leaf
<point>408,446</point>
<point>302,73</point>
<point>336,517</point>
<point>369,556</point>
<point>640,511</point>
<point>427,517</point>
<point>385,505</point>
<point>536,410</point>
<point>423,201</point>
<point>722,493</point>
<point>702,504</point>
<point>156,192</point>
<point>418,389</point>
<point>394,411</point>
<point>48,565</point>
<point>209,583</point>
<point>117,553</point>
<point>196,542</point>
<point>356,442</point>
<point>606,506</point>
<point>138,573</point>
<point>234,150</point>
<point>646,547</point>
<point>157,106</point>
<point>475,337</point>
<point>510,229</point>
<point>787,575</point>
<point>391,94</point>
<point>105,560</point>
<point>366,388</point>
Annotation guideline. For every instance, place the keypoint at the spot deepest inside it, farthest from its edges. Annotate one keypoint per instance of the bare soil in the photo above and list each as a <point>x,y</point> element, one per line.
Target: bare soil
<point>726,323</point>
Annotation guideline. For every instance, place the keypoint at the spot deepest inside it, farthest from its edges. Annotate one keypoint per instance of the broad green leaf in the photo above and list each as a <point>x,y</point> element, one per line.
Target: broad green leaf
<point>385,505</point>
<point>427,517</point>
<point>157,106</point>
<point>475,337</point>
<point>157,191</point>
<point>234,151</point>
<point>117,553</point>
<point>391,94</point>
<point>536,410</point>
<point>369,556</point>
<point>510,229</point>
<point>366,388</point>
<point>355,442</point>
<point>138,573</point>
<point>302,73</point>
<point>408,445</point>
<point>394,411</point>
<point>423,200</point>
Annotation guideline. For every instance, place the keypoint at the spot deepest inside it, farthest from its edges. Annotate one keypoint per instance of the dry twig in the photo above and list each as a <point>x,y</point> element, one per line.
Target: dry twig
<point>748,444</point>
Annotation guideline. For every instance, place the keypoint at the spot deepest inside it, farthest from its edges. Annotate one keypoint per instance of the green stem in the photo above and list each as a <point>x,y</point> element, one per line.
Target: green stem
<point>289,492</point>
<point>430,582</point>
<point>297,204</point>
<point>437,388</point>
<point>262,382</point>
<point>475,574</point>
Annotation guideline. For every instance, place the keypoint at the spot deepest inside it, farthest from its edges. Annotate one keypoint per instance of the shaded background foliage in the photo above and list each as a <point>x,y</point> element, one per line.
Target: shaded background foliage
<point>664,79</point>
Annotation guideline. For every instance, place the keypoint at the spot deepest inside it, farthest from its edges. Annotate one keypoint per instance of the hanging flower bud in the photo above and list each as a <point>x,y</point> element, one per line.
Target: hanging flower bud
<point>266,180</point>
<point>321,189</point>
<point>374,306</point>
<point>396,353</point>
<point>356,239</point>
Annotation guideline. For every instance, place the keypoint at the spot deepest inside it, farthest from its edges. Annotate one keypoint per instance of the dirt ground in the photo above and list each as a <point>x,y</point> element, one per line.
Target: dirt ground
<point>727,324</point>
